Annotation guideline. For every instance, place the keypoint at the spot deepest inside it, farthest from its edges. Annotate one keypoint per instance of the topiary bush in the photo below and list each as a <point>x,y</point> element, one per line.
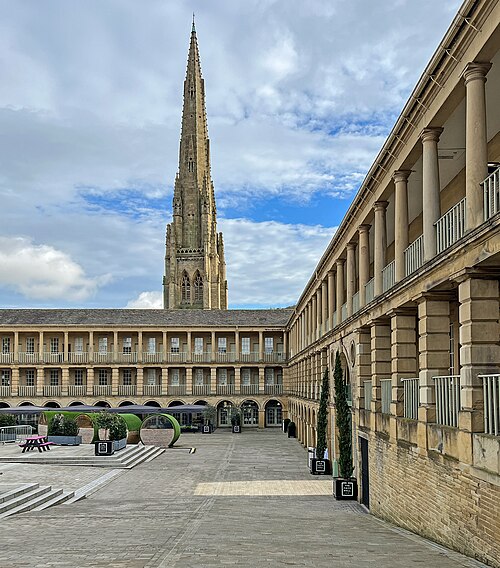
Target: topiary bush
<point>7,420</point>
<point>60,425</point>
<point>118,428</point>
<point>343,421</point>
<point>322,420</point>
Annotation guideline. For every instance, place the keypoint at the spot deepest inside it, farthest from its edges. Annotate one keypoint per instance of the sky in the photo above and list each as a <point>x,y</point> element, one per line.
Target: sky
<point>300,97</point>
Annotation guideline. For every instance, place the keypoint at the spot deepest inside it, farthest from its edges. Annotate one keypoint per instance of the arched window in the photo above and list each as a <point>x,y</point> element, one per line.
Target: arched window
<point>186,288</point>
<point>198,288</point>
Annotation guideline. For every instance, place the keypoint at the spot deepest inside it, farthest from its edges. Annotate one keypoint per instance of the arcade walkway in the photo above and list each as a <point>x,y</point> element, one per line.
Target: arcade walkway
<point>240,500</point>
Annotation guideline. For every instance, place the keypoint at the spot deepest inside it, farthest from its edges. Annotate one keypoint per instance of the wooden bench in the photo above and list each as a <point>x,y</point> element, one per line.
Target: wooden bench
<point>32,444</point>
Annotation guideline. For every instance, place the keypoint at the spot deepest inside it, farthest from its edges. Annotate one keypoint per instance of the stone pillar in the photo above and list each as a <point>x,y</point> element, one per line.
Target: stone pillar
<point>261,380</point>
<point>165,346</point>
<point>40,347</point>
<point>40,380</point>
<point>64,381</point>
<point>90,381</point>
<point>331,297</point>
<point>324,306</point>
<point>14,385</point>
<point>261,346</point>
<point>115,346</point>
<point>480,350</point>
<point>140,381</point>
<point>164,381</point>
<point>476,147</point>
<point>285,345</point>
<point>16,347</point>
<point>237,380</point>
<point>364,262</point>
<point>189,381</point>
<point>189,346</point>
<point>115,380</point>
<point>381,364</point>
<point>340,288</point>
<point>314,318</point>
<point>262,422</point>
<point>379,259</point>
<point>139,346</point>
<point>364,367</point>
<point>431,197</point>
<point>401,223</point>
<point>237,345</point>
<point>214,346</point>
<point>319,308</point>
<point>351,276</point>
<point>213,381</point>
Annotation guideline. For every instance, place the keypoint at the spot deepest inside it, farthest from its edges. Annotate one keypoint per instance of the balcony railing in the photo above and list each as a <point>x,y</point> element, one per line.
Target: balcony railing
<point>28,357</point>
<point>6,358</point>
<point>180,357</point>
<point>273,389</point>
<point>127,357</point>
<point>355,303</point>
<point>367,391</point>
<point>414,256</point>
<point>53,357</point>
<point>78,357</point>
<point>102,390</point>
<point>51,390</point>
<point>225,389</point>
<point>344,311</point>
<point>148,357</point>
<point>370,290</point>
<point>335,319</point>
<point>388,276</point>
<point>176,390</point>
<point>451,226</point>
<point>410,398</point>
<point>252,357</point>
<point>204,357</point>
<point>5,390</point>
<point>491,393</point>
<point>77,390</point>
<point>491,187</point>
<point>274,357</point>
<point>27,390</point>
<point>127,390</point>
<point>201,390</point>
<point>249,389</point>
<point>447,399</point>
<point>152,390</point>
<point>229,357</point>
<point>103,356</point>
<point>385,395</point>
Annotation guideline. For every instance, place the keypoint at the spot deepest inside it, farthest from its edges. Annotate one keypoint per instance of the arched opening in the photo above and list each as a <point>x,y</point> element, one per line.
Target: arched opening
<point>77,403</point>
<point>185,289</point>
<point>126,403</point>
<point>52,404</point>
<point>102,404</point>
<point>274,413</point>
<point>4,405</point>
<point>224,413</point>
<point>152,403</point>
<point>198,288</point>
<point>201,402</point>
<point>250,413</point>
<point>176,403</point>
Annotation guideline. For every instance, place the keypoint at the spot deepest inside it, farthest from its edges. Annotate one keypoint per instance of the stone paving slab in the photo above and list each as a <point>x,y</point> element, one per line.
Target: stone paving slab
<point>151,517</point>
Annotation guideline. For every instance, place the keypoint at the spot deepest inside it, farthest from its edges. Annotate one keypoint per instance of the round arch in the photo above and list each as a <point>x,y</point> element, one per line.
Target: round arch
<point>273,413</point>
<point>250,413</point>
<point>76,403</point>
<point>176,403</point>
<point>4,405</point>
<point>52,404</point>
<point>102,404</point>
<point>26,403</point>
<point>153,403</point>
<point>224,408</point>
<point>126,403</point>
<point>201,402</point>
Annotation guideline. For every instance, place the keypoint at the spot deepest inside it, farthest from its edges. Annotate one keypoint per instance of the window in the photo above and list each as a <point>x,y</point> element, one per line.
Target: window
<point>103,344</point>
<point>54,377</point>
<point>127,376</point>
<point>174,345</point>
<point>5,344</point>
<point>30,377</point>
<point>5,377</point>
<point>175,377</point>
<point>198,345</point>
<point>198,377</point>
<point>103,377</point>
<point>223,377</point>
<point>78,345</point>
<point>245,345</point>
<point>79,377</point>
<point>268,344</point>
<point>30,345</point>
<point>151,376</point>
<point>269,376</point>
<point>222,343</point>
<point>198,288</point>
<point>151,346</point>
<point>190,165</point>
<point>186,289</point>
<point>54,345</point>
<point>127,345</point>
<point>245,377</point>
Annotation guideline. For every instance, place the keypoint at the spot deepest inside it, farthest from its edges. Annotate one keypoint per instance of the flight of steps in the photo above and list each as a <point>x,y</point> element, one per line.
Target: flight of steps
<point>30,497</point>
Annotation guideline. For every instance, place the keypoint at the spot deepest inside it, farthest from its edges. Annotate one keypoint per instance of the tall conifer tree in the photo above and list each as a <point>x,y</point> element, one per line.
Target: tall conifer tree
<point>343,421</point>
<point>322,423</point>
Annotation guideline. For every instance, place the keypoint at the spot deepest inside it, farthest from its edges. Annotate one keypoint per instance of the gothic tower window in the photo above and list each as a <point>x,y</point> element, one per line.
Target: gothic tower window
<point>190,165</point>
<point>198,288</point>
<point>186,288</point>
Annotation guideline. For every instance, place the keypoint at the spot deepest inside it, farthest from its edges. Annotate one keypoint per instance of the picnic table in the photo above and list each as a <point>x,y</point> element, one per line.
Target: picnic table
<point>32,442</point>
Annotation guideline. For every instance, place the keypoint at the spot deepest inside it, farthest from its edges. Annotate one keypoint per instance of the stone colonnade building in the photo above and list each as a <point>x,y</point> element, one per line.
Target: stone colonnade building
<point>408,293</point>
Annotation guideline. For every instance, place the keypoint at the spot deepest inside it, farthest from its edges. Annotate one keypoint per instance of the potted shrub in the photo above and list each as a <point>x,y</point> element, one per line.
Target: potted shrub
<point>7,432</point>
<point>209,418</point>
<point>344,486</point>
<point>286,422</point>
<point>63,431</point>
<point>319,464</point>
<point>112,427</point>
<point>236,420</point>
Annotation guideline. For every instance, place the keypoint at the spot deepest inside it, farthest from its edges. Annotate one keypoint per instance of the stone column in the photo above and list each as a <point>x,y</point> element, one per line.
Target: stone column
<point>262,422</point>
<point>431,197</point>
<point>165,346</point>
<point>115,380</point>
<point>139,346</point>
<point>476,146</point>
<point>115,346</point>
<point>140,381</point>
<point>64,381</point>
<point>351,275</point>
<point>213,380</point>
<point>401,224</point>
<point>164,381</point>
<point>40,380</point>
<point>213,346</point>
<point>364,262</point>
<point>340,288</point>
<point>324,305</point>
<point>261,380</point>
<point>479,351</point>
<point>314,318</point>
<point>381,364</point>
<point>189,380</point>
<point>318,312</point>
<point>261,346</point>
<point>237,380</point>
<point>90,381</point>
<point>189,347</point>
<point>237,345</point>
<point>40,347</point>
<point>364,367</point>
<point>285,345</point>
<point>331,297</point>
<point>379,259</point>
<point>16,347</point>
<point>14,385</point>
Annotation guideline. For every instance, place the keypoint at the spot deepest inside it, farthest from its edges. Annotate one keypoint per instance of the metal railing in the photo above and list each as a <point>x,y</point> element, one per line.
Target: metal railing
<point>385,395</point>
<point>27,390</point>
<point>176,390</point>
<point>77,390</point>
<point>176,357</point>
<point>451,226</point>
<point>6,358</point>
<point>102,390</point>
<point>249,389</point>
<point>370,290</point>
<point>414,255</point>
<point>388,276</point>
<point>127,390</point>
<point>355,303</point>
<point>491,188</point>
<point>152,390</point>
<point>411,398</point>
<point>274,357</point>
<point>447,399</point>
<point>50,357</point>
<point>103,356</point>
<point>344,311</point>
<point>52,390</point>
<point>273,389</point>
<point>78,357</point>
<point>367,391</point>
<point>229,357</point>
<point>148,357</point>
<point>28,357</point>
<point>15,433</point>
<point>201,390</point>
<point>491,393</point>
<point>225,389</point>
<point>204,357</point>
<point>252,357</point>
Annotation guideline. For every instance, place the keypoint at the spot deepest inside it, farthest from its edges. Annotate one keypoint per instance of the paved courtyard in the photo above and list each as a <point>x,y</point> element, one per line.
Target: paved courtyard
<point>239,500</point>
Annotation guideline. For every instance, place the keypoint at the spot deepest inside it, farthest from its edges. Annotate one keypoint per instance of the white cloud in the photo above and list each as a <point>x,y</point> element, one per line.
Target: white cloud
<point>147,301</point>
<point>43,272</point>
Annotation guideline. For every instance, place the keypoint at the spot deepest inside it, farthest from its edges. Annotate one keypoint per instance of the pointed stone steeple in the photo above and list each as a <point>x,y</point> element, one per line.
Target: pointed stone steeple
<point>195,268</point>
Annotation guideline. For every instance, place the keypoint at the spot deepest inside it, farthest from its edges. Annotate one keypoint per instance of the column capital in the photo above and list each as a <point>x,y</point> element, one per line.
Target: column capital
<point>380,205</point>
<point>351,246</point>
<point>431,134</point>
<point>401,175</point>
<point>476,70</point>
<point>364,228</point>
<point>340,262</point>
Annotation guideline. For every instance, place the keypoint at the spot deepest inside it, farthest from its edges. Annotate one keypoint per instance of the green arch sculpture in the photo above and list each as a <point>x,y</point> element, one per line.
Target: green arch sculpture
<point>160,430</point>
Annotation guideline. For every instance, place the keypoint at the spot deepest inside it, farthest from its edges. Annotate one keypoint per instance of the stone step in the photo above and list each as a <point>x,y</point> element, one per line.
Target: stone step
<point>58,498</point>
<point>19,490</point>
<point>149,453</point>
<point>25,501</point>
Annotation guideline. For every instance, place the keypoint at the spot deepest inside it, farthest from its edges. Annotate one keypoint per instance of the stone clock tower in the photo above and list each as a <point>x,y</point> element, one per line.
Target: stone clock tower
<point>195,269</point>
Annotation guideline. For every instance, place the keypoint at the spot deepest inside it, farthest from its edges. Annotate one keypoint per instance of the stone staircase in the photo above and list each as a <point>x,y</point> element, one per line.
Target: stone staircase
<point>30,497</point>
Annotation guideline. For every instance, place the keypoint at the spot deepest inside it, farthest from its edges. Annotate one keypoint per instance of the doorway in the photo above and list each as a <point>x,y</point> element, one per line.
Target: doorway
<point>365,479</point>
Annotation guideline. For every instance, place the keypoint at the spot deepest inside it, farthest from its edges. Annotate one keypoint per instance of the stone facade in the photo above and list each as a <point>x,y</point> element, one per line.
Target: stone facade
<point>195,268</point>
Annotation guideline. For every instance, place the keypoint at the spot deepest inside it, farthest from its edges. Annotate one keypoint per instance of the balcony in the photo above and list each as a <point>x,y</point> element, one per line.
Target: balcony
<point>410,398</point>
<point>176,390</point>
<point>30,358</point>
<point>385,395</point>
<point>152,390</point>
<point>52,390</point>
<point>77,390</point>
<point>127,390</point>
<point>252,357</point>
<point>273,389</point>
<point>229,357</point>
<point>225,389</point>
<point>53,357</point>
<point>6,358</point>
<point>27,390</point>
<point>201,390</point>
<point>156,357</point>
<point>344,312</point>
<point>176,357</point>
<point>414,256</point>
<point>451,226</point>
<point>129,358</point>
<point>102,390</point>
<point>491,393</point>
<point>205,357</point>
<point>447,391</point>
<point>103,357</point>
<point>274,357</point>
<point>5,390</point>
<point>388,276</point>
<point>491,188</point>
<point>370,290</point>
<point>78,358</point>
<point>249,389</point>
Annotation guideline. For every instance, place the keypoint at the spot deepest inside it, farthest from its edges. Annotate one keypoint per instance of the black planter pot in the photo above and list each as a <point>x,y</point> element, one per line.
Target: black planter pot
<point>345,489</point>
<point>292,430</point>
<point>236,429</point>
<point>286,422</point>
<point>207,429</point>
<point>321,467</point>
